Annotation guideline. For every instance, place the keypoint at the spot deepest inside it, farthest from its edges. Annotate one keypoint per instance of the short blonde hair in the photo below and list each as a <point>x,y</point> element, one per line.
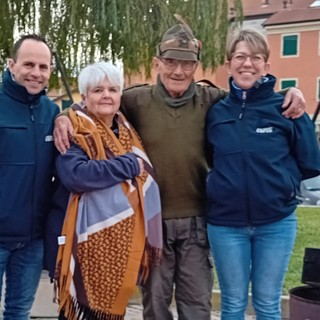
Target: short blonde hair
<point>255,40</point>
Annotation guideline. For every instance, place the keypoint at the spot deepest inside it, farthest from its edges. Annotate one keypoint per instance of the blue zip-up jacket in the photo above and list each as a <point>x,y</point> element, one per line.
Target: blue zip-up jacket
<point>259,157</point>
<point>26,161</point>
<point>79,174</point>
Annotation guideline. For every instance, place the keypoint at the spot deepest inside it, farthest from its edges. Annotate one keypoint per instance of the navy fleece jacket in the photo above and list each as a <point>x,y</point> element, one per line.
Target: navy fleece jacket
<point>259,157</point>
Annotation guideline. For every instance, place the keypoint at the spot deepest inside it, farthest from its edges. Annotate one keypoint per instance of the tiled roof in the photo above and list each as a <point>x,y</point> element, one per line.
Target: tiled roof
<point>269,7</point>
<point>293,16</point>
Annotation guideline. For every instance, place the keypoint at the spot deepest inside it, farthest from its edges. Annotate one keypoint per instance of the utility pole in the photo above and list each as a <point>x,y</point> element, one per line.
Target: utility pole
<point>315,115</point>
<point>63,75</point>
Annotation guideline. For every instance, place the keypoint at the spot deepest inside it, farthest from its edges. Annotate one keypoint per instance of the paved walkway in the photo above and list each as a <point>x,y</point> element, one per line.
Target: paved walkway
<point>134,312</point>
<point>45,309</point>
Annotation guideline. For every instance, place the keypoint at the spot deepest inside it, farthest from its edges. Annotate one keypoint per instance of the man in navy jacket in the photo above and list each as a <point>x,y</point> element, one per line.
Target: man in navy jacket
<point>26,170</point>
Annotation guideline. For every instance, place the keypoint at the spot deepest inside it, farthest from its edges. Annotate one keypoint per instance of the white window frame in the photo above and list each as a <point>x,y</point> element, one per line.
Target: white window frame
<point>282,45</point>
<point>287,79</point>
<point>318,89</point>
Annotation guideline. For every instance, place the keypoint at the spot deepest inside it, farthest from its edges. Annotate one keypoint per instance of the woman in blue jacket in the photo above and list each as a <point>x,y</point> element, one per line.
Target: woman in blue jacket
<point>259,160</point>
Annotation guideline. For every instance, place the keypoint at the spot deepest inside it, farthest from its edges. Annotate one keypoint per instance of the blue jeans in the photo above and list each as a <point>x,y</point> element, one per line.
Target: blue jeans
<point>22,264</point>
<point>258,254</point>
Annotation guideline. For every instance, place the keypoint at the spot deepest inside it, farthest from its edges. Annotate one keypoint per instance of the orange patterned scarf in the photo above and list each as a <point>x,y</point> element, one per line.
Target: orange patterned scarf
<point>113,236</point>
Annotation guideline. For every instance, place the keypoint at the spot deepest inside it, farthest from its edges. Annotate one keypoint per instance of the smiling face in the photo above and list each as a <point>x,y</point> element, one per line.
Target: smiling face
<point>246,67</point>
<point>32,66</point>
<point>103,101</point>
<point>175,79</point>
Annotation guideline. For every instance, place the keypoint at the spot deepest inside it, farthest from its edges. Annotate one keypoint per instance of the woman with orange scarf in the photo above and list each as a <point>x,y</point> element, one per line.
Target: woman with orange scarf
<point>111,235</point>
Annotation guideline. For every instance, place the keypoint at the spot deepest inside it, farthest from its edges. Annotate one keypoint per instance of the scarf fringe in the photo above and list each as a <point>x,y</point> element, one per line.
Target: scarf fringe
<point>55,291</point>
<point>74,310</point>
<point>152,257</point>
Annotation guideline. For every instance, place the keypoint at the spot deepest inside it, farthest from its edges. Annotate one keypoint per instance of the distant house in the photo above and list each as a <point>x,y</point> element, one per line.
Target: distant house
<point>61,98</point>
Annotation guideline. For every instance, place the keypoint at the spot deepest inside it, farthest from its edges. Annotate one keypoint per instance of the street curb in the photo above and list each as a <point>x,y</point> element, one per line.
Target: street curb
<point>216,299</point>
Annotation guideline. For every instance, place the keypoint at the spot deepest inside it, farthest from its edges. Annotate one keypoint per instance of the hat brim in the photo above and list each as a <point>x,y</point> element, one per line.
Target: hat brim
<point>180,55</point>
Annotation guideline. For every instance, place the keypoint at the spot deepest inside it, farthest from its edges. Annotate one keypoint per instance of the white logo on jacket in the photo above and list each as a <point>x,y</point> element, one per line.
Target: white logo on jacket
<point>48,138</point>
<point>264,130</point>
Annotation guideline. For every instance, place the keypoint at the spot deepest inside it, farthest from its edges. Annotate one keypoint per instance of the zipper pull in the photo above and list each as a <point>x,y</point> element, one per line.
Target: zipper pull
<point>243,107</point>
<point>31,113</point>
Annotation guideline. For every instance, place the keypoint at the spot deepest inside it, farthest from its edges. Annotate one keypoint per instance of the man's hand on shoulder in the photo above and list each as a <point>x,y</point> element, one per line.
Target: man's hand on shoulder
<point>294,103</point>
<point>62,130</point>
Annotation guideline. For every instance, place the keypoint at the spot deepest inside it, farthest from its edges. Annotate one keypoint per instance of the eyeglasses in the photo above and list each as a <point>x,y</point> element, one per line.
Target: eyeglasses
<point>171,64</point>
<point>241,58</point>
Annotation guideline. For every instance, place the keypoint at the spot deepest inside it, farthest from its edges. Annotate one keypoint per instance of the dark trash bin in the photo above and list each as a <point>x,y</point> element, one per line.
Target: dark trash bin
<point>311,267</point>
<point>304,303</point>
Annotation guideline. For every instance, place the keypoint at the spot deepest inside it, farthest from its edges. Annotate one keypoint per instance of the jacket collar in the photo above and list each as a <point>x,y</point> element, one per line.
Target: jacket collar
<point>262,88</point>
<point>18,92</point>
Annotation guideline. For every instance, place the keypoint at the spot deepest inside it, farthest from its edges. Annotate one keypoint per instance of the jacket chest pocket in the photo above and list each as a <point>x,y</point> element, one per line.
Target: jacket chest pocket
<point>17,145</point>
<point>224,136</point>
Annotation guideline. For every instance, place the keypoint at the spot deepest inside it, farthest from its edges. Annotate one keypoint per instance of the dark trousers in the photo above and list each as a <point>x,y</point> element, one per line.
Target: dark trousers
<point>186,270</point>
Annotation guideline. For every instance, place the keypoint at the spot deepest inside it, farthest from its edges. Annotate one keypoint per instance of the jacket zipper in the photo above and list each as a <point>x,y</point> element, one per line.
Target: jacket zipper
<point>243,132</point>
<point>31,109</point>
<point>243,106</point>
<point>31,113</point>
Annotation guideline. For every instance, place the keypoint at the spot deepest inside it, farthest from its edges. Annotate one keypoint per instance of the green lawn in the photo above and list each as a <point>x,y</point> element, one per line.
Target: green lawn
<point>308,236</point>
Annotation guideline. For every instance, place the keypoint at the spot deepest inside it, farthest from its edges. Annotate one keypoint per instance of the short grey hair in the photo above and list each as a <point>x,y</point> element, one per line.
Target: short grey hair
<point>93,74</point>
